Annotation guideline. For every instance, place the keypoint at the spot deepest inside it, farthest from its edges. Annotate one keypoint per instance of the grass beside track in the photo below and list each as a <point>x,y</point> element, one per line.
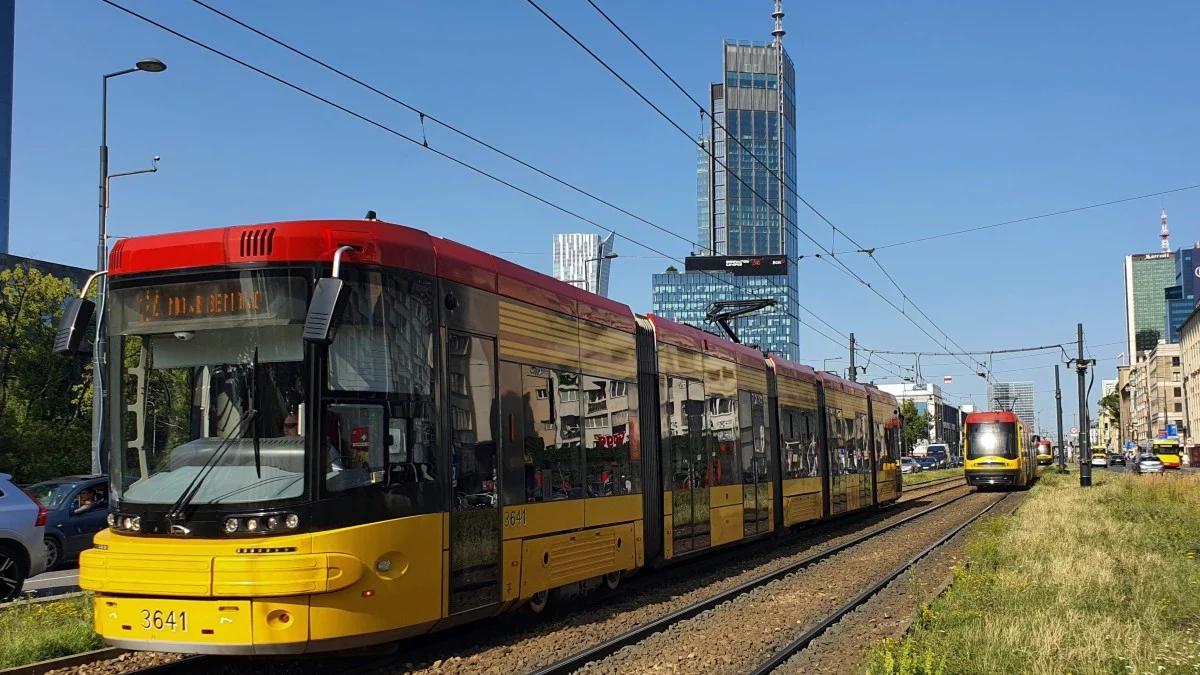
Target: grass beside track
<point>1103,580</point>
<point>36,631</point>
<point>929,476</point>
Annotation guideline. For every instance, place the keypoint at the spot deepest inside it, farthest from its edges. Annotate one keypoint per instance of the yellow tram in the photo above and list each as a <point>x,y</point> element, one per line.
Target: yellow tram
<point>999,451</point>
<point>327,434</point>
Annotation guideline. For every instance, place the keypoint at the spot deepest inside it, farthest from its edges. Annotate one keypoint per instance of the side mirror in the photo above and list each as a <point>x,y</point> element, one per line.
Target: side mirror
<point>318,324</point>
<point>77,313</point>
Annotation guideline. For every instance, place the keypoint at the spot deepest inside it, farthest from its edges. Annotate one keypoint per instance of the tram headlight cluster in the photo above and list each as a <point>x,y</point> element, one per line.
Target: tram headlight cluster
<point>125,523</point>
<point>273,523</point>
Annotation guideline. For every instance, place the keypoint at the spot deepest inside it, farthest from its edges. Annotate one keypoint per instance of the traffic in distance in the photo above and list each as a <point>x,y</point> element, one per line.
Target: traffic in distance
<point>395,433</point>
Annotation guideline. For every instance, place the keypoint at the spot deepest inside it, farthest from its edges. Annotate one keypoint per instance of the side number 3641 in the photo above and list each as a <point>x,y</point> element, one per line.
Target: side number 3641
<point>158,620</point>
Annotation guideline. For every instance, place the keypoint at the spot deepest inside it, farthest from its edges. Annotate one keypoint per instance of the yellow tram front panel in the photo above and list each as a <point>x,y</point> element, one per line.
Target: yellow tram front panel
<point>802,500</point>
<point>268,594</point>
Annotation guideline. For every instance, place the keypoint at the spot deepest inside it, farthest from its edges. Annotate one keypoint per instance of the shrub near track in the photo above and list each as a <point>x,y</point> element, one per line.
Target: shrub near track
<point>36,631</point>
<point>1103,580</point>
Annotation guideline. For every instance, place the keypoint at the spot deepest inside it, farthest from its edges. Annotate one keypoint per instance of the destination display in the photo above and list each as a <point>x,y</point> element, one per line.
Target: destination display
<point>249,298</point>
<point>738,265</point>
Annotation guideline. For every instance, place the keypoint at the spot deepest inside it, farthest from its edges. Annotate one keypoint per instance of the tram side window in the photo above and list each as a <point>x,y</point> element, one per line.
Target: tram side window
<point>685,450</point>
<point>472,420</point>
<point>800,442</point>
<point>838,439</point>
<point>613,459</point>
<point>723,467</point>
<point>862,456</point>
<point>752,436</point>
<point>542,423</point>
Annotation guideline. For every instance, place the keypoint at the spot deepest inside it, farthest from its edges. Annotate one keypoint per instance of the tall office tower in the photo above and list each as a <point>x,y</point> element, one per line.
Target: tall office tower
<point>747,201</point>
<point>583,260</point>
<point>1147,277</point>
<point>1014,396</point>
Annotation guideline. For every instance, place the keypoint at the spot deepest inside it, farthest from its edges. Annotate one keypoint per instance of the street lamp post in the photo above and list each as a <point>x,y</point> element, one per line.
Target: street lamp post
<point>148,65</point>
<point>825,363</point>
<point>597,260</point>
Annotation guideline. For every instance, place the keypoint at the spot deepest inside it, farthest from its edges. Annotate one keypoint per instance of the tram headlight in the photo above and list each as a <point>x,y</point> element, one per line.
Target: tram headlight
<point>112,520</point>
<point>272,522</point>
<point>262,523</point>
<point>231,525</point>
<point>135,524</point>
<point>252,524</point>
<point>292,521</point>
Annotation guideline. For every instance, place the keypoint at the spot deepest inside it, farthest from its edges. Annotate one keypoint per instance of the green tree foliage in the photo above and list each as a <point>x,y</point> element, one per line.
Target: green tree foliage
<point>916,425</point>
<point>1110,405</point>
<point>45,400</point>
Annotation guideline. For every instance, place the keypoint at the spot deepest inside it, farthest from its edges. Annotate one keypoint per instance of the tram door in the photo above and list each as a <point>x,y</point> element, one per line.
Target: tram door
<point>755,469</point>
<point>475,507</point>
<point>687,447</point>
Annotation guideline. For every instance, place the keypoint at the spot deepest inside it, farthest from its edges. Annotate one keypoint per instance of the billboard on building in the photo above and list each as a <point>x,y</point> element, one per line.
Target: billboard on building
<point>739,265</point>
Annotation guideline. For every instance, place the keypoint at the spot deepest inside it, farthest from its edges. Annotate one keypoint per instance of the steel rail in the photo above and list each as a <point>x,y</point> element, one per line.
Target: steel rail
<point>611,646</point>
<point>782,656</point>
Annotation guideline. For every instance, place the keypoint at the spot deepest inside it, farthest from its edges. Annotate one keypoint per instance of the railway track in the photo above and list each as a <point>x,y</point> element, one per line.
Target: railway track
<point>636,635</point>
<point>927,489</point>
<point>799,644</point>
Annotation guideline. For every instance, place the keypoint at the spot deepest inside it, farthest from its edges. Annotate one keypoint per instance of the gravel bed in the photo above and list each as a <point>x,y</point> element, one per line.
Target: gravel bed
<point>889,614</point>
<point>738,635</point>
<point>122,663</point>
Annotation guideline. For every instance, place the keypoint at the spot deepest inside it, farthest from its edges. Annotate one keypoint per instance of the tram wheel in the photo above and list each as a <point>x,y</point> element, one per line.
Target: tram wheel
<point>537,604</point>
<point>612,580</point>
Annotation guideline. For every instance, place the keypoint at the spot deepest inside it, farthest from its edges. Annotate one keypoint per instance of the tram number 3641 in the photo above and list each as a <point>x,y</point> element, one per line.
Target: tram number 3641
<point>516,518</point>
<point>158,621</point>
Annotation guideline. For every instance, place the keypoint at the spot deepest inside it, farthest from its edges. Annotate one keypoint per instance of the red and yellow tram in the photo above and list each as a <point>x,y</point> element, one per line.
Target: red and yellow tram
<point>999,450</point>
<point>326,434</point>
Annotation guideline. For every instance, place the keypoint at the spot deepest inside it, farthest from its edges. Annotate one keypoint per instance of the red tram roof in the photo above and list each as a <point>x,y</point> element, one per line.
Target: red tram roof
<point>690,337</point>
<point>382,243</point>
<point>877,394</point>
<point>842,384</point>
<point>796,371</point>
<point>994,416</point>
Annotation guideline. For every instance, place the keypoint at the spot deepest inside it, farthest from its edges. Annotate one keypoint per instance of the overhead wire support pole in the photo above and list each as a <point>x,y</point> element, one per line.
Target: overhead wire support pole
<point>1085,455</point>
<point>1062,446</point>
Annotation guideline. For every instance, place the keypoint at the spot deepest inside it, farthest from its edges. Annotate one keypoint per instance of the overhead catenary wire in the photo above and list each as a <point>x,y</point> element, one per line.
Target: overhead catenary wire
<point>423,143</point>
<point>424,115</point>
<point>830,257</point>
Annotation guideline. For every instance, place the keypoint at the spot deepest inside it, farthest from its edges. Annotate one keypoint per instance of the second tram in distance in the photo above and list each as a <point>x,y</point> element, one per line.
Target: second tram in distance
<point>327,434</point>
<point>999,450</point>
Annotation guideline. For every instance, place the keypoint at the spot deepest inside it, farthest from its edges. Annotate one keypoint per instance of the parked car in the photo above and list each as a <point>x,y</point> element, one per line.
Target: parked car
<point>1116,458</point>
<point>927,463</point>
<point>940,452</point>
<point>78,507</point>
<point>1148,464</point>
<point>1099,460</point>
<point>22,523</point>
<point>909,465</point>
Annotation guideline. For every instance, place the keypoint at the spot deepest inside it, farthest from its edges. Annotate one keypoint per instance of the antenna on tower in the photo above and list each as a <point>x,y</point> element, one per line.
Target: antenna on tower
<point>1163,234</point>
<point>778,16</point>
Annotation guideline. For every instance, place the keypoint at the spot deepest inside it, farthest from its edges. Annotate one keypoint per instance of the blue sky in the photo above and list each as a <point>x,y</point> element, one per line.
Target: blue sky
<point>913,118</point>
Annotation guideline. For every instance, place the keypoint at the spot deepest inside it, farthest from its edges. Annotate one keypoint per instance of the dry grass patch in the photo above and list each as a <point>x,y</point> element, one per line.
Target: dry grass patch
<point>36,631</point>
<point>1103,580</point>
<point>911,479</point>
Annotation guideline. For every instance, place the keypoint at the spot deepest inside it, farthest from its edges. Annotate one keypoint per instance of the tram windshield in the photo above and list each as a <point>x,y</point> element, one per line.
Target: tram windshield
<point>211,390</point>
<point>991,439</point>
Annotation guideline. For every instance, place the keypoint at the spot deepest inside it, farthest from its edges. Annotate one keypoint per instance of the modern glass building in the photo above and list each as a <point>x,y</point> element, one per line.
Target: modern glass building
<point>7,25</point>
<point>580,259</point>
<point>1014,396</point>
<point>746,201</point>
<point>1147,276</point>
<point>1181,298</point>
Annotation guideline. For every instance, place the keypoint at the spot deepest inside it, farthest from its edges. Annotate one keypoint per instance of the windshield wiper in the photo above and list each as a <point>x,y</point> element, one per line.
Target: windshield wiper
<point>193,488</point>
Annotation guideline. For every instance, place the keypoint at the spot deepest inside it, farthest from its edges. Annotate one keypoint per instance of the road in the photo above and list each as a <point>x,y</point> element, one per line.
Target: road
<point>53,583</point>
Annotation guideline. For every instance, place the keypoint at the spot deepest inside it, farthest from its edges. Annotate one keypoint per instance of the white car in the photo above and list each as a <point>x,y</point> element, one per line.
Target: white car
<point>1099,460</point>
<point>22,526</point>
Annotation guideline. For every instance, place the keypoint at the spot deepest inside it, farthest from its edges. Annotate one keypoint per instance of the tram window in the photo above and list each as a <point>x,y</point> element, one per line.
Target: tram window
<point>472,426</point>
<point>352,450</point>
<point>800,442</point>
<point>613,461</point>
<point>542,434</point>
<point>862,457</point>
<point>723,466</point>
<point>838,440</point>
<point>685,453</point>
<point>753,436</point>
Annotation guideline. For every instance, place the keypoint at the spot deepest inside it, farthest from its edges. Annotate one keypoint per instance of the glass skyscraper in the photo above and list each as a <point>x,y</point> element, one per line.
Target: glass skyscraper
<point>1181,298</point>
<point>1147,276</point>
<point>7,27</point>
<point>746,201</point>
<point>580,259</point>
<point>1015,396</point>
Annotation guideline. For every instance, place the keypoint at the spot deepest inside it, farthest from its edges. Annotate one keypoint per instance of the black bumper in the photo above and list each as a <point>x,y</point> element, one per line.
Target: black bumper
<point>993,476</point>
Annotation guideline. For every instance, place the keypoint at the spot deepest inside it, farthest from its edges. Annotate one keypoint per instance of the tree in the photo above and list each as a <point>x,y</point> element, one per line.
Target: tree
<point>1110,406</point>
<point>916,425</point>
<point>45,400</point>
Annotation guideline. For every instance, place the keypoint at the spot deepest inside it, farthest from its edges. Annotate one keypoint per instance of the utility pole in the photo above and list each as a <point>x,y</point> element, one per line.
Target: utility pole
<point>1062,442</point>
<point>853,368</point>
<point>1085,455</point>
